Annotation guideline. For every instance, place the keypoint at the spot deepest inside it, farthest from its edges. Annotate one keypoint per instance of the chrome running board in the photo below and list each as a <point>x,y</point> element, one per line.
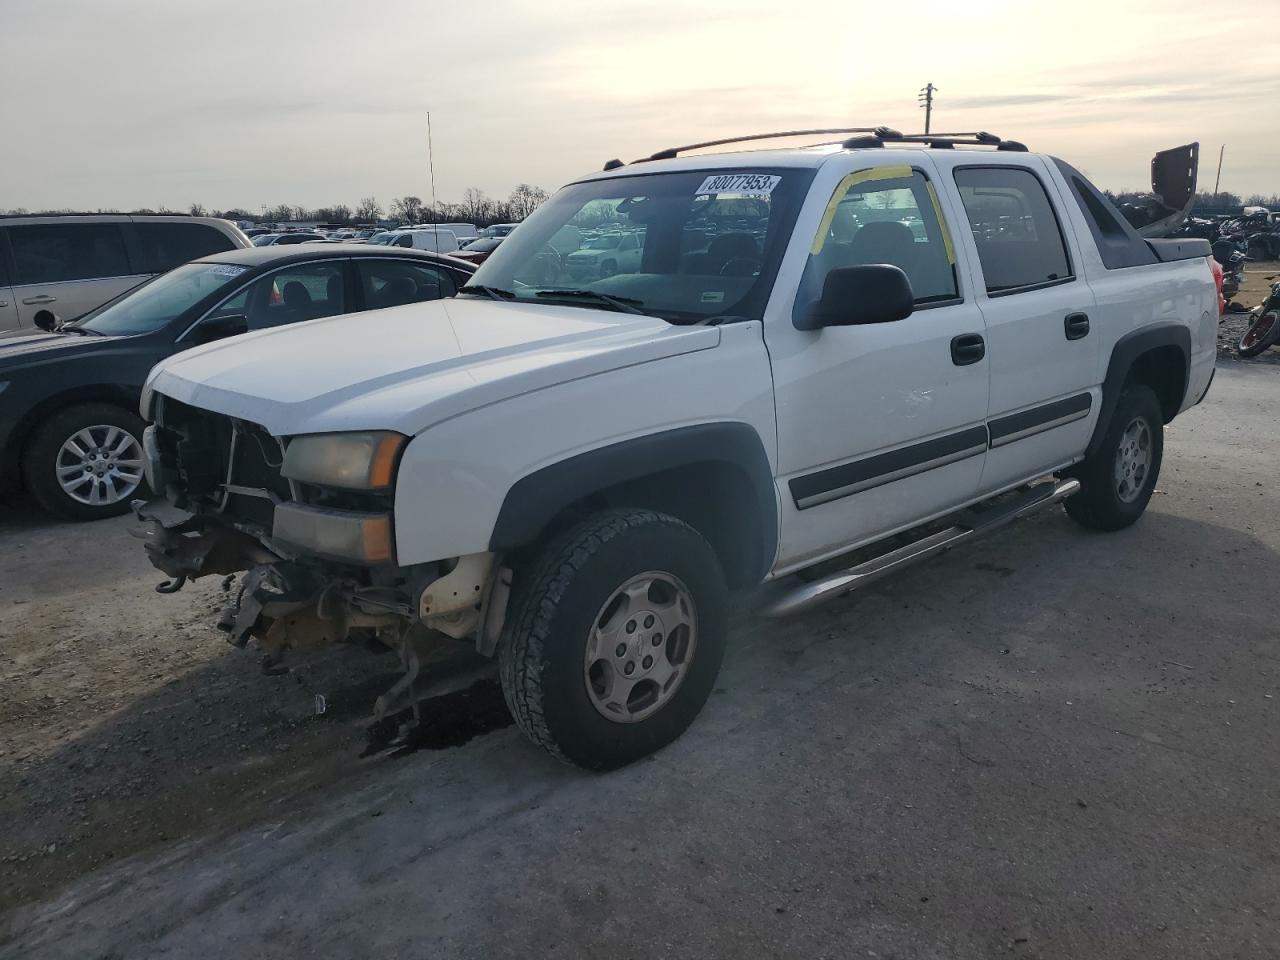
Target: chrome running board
<point>784,600</point>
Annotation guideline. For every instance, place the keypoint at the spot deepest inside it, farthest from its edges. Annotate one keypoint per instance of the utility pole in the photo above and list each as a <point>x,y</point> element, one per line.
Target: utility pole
<point>431,164</point>
<point>1218,179</point>
<point>925,99</point>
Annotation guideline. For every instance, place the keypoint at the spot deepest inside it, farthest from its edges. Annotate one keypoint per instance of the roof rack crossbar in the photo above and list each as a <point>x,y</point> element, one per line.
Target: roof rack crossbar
<point>938,141</point>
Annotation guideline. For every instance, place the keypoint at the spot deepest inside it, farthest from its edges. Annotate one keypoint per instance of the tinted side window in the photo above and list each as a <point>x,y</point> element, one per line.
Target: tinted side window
<point>302,292</point>
<point>1019,241</point>
<point>391,283</point>
<point>53,253</point>
<point>167,245</point>
<point>884,215</point>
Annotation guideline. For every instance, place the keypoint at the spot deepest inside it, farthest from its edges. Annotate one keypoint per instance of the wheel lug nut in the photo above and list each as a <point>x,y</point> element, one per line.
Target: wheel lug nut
<point>622,650</point>
<point>630,668</point>
<point>631,626</point>
<point>657,639</point>
<point>648,621</point>
<point>647,662</point>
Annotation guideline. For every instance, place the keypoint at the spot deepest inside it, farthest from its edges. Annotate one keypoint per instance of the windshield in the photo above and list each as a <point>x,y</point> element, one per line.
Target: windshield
<point>263,239</point>
<point>682,246</point>
<point>381,239</point>
<point>152,305</point>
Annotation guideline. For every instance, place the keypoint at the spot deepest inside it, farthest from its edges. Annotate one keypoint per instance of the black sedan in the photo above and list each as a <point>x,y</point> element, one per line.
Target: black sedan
<point>69,428</point>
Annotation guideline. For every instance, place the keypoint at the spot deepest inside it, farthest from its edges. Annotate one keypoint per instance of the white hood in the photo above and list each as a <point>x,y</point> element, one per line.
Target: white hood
<point>406,368</point>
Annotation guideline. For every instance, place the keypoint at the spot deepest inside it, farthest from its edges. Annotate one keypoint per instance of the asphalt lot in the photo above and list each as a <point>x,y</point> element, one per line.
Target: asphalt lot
<point>1053,744</point>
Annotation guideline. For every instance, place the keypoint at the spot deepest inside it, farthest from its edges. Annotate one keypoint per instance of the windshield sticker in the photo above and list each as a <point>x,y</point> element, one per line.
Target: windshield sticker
<point>713,296</point>
<point>743,184</point>
<point>227,270</point>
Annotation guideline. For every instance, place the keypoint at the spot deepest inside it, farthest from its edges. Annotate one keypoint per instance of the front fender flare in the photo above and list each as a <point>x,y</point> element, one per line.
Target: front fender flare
<point>535,499</point>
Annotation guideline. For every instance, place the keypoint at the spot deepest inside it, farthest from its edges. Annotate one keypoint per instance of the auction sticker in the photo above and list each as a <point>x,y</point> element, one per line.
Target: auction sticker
<point>743,184</point>
<point>227,270</point>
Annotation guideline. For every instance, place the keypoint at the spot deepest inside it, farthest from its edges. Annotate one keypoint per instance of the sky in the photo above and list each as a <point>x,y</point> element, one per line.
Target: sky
<point>149,103</point>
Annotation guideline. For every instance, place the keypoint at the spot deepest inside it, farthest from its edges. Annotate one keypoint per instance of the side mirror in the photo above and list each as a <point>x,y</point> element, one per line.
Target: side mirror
<point>45,320</point>
<point>869,293</point>
<point>215,328</point>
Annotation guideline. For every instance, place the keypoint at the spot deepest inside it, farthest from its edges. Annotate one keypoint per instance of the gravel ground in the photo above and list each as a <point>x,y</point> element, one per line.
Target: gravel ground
<point>1053,744</point>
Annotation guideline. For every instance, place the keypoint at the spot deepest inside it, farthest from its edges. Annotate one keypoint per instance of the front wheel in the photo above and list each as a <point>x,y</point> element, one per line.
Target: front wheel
<point>85,462</point>
<point>614,638</point>
<point>1118,479</point>
<point>1264,332</point>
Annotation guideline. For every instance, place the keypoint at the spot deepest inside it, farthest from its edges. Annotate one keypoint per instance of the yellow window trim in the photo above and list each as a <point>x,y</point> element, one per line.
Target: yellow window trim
<point>942,223</point>
<point>897,172</point>
<point>860,176</point>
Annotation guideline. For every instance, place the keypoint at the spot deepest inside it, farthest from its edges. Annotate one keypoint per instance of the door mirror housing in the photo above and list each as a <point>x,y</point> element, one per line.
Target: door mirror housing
<point>867,293</point>
<point>215,328</point>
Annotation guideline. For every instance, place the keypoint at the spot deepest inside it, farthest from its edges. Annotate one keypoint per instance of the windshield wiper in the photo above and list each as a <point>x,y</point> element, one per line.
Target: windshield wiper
<point>493,293</point>
<point>625,304</point>
<point>76,328</point>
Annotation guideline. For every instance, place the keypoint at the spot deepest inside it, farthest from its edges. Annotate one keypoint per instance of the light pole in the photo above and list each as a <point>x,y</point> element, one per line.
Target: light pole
<point>925,99</point>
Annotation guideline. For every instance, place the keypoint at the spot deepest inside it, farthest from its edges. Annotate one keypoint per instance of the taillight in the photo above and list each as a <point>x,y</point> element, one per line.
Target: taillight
<point>1216,267</point>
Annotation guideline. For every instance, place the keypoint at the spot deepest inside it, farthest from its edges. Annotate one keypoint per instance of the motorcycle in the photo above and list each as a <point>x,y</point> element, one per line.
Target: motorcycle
<point>1232,259</point>
<point>1264,330</point>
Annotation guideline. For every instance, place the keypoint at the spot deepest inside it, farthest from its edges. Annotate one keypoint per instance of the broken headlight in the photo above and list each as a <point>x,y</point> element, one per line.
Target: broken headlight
<point>353,461</point>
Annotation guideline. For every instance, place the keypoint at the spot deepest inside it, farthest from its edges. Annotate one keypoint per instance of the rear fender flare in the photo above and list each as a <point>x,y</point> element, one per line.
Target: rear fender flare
<point>1123,356</point>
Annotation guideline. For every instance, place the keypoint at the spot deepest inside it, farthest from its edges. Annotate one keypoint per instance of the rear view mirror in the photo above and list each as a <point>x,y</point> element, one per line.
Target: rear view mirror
<point>869,293</point>
<point>215,328</point>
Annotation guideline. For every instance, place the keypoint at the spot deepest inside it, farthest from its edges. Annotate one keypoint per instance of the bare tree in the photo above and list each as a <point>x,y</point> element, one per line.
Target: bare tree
<point>407,209</point>
<point>476,205</point>
<point>524,200</point>
<point>368,210</point>
<point>197,210</point>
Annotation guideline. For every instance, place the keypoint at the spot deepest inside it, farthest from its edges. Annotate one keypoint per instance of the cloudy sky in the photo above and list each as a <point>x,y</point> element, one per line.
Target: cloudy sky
<point>128,103</point>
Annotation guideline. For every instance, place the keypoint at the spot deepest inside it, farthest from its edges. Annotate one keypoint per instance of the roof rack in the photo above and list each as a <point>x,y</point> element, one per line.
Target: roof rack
<point>937,141</point>
<point>672,152</point>
<point>868,137</point>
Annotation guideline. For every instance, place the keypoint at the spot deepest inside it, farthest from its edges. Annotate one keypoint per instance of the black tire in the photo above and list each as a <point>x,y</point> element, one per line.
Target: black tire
<point>557,598</point>
<point>41,460</point>
<point>1099,505</point>
<point>1260,335</point>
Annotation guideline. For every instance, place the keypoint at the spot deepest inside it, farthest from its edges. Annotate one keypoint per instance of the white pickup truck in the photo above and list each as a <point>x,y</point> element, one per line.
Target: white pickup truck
<point>825,363</point>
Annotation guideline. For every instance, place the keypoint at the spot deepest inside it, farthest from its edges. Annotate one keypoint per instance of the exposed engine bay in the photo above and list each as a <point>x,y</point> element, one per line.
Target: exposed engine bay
<point>225,505</point>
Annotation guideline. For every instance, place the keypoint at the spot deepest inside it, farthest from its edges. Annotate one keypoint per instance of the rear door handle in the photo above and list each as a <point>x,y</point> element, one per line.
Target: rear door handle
<point>967,348</point>
<point>1076,325</point>
<point>36,301</point>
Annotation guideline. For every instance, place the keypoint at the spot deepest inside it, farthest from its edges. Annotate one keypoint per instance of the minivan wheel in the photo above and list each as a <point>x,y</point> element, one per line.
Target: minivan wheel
<point>614,638</point>
<point>85,462</point>
<point>1118,479</point>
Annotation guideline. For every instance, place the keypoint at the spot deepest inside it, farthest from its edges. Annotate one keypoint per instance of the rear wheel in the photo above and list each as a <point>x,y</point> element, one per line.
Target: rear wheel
<point>614,638</point>
<point>1118,479</point>
<point>1264,332</point>
<point>85,462</point>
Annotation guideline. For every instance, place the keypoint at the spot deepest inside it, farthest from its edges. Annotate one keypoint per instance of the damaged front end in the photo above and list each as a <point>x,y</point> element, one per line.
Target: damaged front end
<point>315,564</point>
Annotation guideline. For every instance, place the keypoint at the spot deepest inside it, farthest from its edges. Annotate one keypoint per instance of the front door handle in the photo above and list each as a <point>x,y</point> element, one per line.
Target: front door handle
<point>36,301</point>
<point>1076,325</point>
<point>967,348</point>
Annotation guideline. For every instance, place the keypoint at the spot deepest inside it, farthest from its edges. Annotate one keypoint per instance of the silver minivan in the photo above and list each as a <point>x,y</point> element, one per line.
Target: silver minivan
<point>55,268</point>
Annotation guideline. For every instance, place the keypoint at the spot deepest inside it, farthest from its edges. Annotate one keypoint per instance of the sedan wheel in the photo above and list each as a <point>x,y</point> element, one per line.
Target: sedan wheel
<point>100,465</point>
